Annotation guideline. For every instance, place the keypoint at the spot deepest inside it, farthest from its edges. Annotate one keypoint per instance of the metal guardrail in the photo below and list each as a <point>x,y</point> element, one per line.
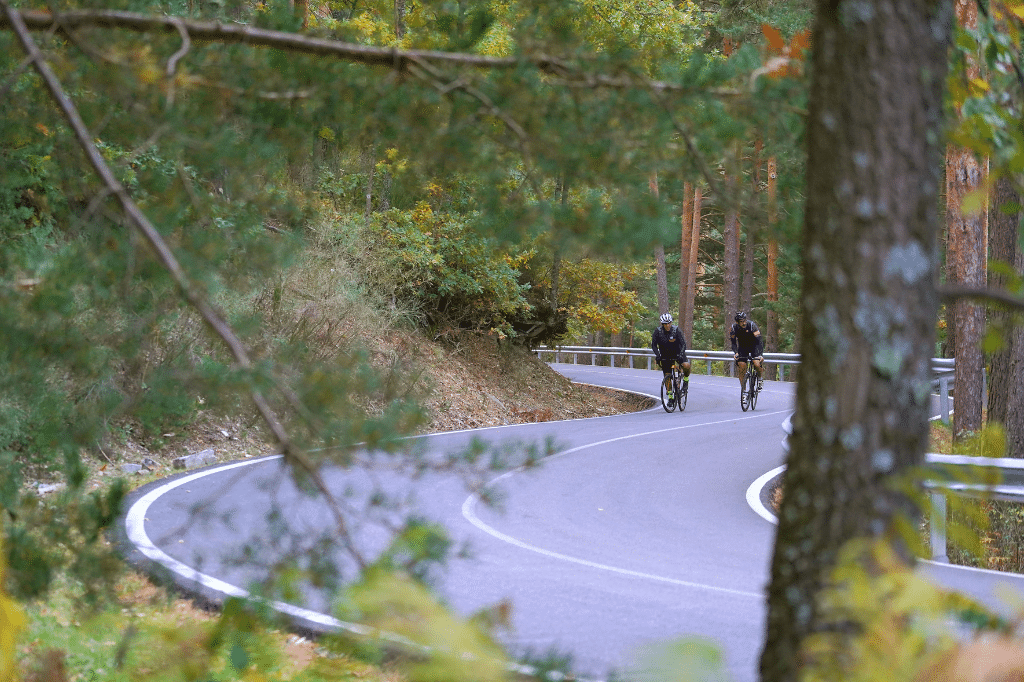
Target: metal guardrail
<point>942,367</point>
<point>991,478</point>
<point>994,478</point>
<point>647,355</point>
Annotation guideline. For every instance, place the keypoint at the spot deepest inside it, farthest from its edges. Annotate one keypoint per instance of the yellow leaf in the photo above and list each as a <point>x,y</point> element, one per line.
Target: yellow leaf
<point>12,623</point>
<point>974,203</point>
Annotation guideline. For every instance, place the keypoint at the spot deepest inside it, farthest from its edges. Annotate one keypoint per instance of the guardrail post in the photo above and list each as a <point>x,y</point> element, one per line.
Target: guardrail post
<point>593,358</point>
<point>944,399</point>
<point>938,528</point>
<point>631,361</point>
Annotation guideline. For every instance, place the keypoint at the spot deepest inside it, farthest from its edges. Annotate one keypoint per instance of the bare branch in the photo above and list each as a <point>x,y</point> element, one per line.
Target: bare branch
<point>170,263</point>
<point>951,292</point>
<point>186,43</point>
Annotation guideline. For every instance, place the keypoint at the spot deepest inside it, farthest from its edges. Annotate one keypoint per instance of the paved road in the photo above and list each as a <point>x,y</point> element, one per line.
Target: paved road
<point>639,531</point>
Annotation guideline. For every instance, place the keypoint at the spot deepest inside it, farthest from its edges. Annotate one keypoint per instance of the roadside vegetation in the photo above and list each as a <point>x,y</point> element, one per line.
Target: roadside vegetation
<point>353,223</point>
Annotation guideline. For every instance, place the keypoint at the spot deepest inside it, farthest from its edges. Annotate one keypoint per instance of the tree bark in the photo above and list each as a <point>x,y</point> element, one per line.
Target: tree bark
<point>685,293</point>
<point>772,317</point>
<point>749,253</point>
<point>966,251</point>
<point>1005,391</point>
<point>868,302</point>
<point>399,19</point>
<point>731,260</point>
<point>694,258</point>
<point>659,260</point>
<point>750,247</point>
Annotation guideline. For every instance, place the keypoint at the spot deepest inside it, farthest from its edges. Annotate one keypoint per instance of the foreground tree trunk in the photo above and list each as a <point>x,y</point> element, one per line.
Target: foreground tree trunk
<point>1005,391</point>
<point>869,301</point>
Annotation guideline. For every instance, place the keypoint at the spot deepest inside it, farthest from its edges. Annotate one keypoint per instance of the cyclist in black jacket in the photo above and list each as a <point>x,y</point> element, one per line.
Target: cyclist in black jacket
<point>747,343</point>
<point>669,347</point>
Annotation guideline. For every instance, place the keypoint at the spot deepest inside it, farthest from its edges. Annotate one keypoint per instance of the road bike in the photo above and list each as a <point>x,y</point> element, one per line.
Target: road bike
<point>749,389</point>
<point>678,391</point>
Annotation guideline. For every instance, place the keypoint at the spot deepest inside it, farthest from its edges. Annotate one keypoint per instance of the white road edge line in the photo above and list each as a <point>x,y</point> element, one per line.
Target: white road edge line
<point>469,513</point>
<point>136,531</point>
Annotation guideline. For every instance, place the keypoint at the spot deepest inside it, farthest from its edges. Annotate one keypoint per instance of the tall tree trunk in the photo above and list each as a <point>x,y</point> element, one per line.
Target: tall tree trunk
<point>750,247</point>
<point>369,162</point>
<point>399,19</point>
<point>966,251</point>
<point>749,253</point>
<point>685,294</point>
<point>556,257</point>
<point>1005,391</point>
<point>772,316</point>
<point>693,260</point>
<point>868,302</point>
<point>731,259</point>
<point>659,260</point>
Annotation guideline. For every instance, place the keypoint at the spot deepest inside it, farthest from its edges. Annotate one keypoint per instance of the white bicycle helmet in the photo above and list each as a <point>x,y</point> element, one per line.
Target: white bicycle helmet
<point>666,318</point>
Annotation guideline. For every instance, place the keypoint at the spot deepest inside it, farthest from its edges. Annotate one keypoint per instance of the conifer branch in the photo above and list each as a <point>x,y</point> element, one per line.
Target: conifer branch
<point>167,259</point>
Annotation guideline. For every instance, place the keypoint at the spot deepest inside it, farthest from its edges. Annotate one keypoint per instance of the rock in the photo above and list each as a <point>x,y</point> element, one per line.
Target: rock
<point>47,488</point>
<point>131,468</point>
<point>197,459</point>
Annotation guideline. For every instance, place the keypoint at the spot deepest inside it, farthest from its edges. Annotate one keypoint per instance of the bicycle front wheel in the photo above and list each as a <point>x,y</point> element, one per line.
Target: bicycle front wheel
<point>681,394</point>
<point>669,405</point>
<point>753,391</point>
<point>744,394</point>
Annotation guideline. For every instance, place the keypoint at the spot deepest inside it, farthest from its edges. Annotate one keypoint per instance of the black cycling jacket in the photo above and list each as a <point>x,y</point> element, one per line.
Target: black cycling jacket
<point>669,345</point>
<point>743,340</point>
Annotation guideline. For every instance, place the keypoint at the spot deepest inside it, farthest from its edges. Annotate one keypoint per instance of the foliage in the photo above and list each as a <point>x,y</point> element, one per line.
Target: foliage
<point>12,623</point>
<point>594,295</point>
<point>232,149</point>
<point>433,263</point>
<point>887,621</point>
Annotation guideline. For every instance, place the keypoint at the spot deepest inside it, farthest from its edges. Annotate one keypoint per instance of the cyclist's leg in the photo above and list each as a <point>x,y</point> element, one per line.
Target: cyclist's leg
<point>759,372</point>
<point>685,364</point>
<point>666,371</point>
<point>741,370</point>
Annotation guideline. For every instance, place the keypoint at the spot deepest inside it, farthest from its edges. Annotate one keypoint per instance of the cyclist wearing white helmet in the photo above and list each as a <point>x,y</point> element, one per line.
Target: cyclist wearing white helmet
<point>747,344</point>
<point>669,347</point>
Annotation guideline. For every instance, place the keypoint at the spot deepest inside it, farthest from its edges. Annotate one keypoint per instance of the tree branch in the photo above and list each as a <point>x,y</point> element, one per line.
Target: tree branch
<point>170,263</point>
<point>295,42</point>
<point>953,292</point>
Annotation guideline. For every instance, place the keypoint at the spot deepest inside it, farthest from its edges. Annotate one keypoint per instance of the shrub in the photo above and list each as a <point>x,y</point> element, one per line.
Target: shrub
<point>436,264</point>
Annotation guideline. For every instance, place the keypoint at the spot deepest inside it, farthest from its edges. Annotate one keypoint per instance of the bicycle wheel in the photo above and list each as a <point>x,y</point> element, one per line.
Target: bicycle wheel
<point>669,405</point>
<point>753,391</point>
<point>680,392</point>
<point>744,395</point>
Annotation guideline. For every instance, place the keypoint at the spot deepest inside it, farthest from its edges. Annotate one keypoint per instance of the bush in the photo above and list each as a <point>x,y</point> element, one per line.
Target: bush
<point>434,263</point>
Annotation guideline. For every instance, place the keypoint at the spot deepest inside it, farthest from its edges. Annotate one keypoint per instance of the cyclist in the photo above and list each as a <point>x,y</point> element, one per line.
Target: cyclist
<point>747,343</point>
<point>669,347</point>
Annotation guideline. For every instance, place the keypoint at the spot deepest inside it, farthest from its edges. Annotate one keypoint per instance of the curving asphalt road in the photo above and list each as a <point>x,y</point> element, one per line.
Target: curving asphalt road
<point>646,527</point>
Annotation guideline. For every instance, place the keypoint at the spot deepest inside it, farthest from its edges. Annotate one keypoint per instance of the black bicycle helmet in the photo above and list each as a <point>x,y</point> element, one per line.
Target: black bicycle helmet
<point>740,316</point>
